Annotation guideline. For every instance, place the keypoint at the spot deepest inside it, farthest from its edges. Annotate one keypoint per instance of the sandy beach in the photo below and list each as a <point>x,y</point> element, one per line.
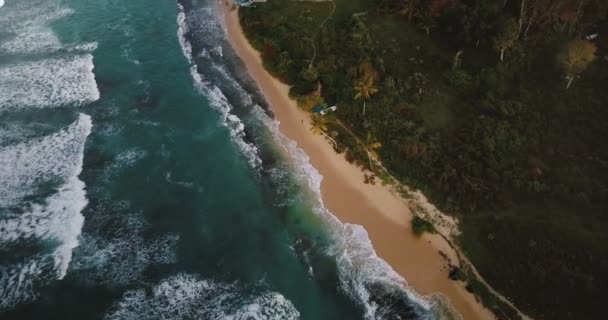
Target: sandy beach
<point>385,215</point>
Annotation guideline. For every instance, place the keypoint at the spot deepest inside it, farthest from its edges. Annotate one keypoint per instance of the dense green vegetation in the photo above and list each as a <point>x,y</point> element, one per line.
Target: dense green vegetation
<point>496,109</point>
<point>420,226</point>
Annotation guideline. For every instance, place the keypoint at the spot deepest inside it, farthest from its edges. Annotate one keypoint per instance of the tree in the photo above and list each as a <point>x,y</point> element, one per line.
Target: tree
<point>544,13</point>
<point>507,39</point>
<point>410,8</point>
<point>426,20</point>
<point>371,144</point>
<point>284,63</point>
<point>318,126</point>
<point>478,20</point>
<point>365,89</point>
<point>575,57</point>
<point>309,73</point>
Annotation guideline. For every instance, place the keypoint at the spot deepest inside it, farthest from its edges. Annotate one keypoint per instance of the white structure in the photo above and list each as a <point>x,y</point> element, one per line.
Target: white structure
<point>328,110</point>
<point>243,3</point>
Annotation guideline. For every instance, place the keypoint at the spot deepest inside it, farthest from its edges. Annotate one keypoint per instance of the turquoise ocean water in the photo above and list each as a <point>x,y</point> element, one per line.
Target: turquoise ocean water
<point>142,177</point>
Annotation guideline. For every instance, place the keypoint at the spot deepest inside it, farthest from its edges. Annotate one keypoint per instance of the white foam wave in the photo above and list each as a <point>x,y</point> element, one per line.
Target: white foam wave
<point>88,46</point>
<point>218,51</point>
<point>15,132</point>
<point>122,260</point>
<point>1,3</point>
<point>244,96</point>
<point>29,24</point>
<point>182,30</point>
<point>120,254</point>
<point>233,123</point>
<point>57,218</point>
<point>32,39</point>
<point>55,157</point>
<point>27,14</point>
<point>216,97</point>
<point>18,282</point>
<point>185,296</point>
<point>52,82</point>
<point>205,26</point>
<point>124,160</point>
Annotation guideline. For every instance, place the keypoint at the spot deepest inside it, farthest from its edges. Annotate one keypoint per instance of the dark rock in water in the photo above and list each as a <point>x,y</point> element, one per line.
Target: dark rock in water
<point>393,304</point>
<point>147,101</point>
<point>303,244</point>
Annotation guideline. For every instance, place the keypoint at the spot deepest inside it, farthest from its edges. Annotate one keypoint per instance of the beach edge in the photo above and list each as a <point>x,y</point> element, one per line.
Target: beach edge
<point>385,211</point>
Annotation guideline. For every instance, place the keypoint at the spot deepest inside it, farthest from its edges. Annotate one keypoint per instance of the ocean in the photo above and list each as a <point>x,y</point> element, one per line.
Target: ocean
<point>142,176</point>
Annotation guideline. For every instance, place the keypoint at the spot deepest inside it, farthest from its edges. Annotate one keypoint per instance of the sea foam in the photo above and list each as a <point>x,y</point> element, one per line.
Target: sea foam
<point>55,221</point>
<point>35,13</point>
<point>25,166</point>
<point>120,254</point>
<point>182,30</point>
<point>32,39</point>
<point>32,14</point>
<point>18,282</point>
<point>186,296</point>
<point>215,95</point>
<point>51,82</point>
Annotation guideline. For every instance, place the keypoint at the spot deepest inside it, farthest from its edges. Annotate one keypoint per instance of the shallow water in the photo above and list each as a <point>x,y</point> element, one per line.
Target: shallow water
<point>142,177</point>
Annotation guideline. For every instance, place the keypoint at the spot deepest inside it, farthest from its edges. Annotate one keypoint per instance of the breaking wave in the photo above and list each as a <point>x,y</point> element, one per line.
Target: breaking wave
<point>34,13</point>
<point>215,95</point>
<point>114,251</point>
<point>54,162</point>
<point>26,166</point>
<point>51,82</point>
<point>18,282</point>
<point>185,296</point>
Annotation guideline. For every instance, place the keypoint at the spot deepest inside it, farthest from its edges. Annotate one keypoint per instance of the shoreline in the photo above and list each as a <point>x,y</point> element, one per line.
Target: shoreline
<point>384,214</point>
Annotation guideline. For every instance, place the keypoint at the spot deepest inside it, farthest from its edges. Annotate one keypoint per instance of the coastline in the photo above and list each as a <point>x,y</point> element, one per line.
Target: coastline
<point>377,208</point>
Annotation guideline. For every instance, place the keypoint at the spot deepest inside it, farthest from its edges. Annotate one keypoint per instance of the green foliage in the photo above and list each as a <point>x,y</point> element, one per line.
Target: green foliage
<point>460,79</point>
<point>507,38</point>
<point>520,160</point>
<point>309,74</point>
<point>575,57</point>
<point>420,226</point>
<point>308,102</point>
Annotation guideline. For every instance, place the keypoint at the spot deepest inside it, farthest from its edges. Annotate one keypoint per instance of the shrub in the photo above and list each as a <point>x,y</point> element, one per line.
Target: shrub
<point>420,226</point>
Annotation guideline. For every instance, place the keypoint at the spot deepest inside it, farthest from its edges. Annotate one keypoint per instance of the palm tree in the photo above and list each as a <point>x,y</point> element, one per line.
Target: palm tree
<point>318,126</point>
<point>507,38</point>
<point>575,57</point>
<point>364,89</point>
<point>371,145</point>
<point>410,8</point>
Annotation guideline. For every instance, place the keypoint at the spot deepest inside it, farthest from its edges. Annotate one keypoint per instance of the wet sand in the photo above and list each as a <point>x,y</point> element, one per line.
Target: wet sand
<point>384,215</point>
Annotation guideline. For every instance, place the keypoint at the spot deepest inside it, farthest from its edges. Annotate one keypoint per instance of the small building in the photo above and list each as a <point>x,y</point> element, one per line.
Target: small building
<point>246,3</point>
<point>328,110</point>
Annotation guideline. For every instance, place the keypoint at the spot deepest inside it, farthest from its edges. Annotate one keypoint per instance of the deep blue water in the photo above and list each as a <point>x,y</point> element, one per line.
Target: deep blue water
<point>142,177</point>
